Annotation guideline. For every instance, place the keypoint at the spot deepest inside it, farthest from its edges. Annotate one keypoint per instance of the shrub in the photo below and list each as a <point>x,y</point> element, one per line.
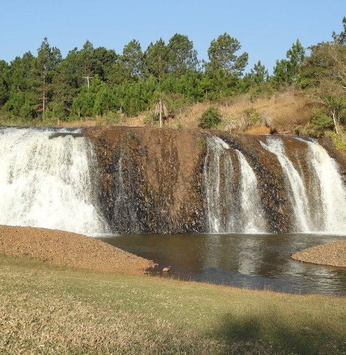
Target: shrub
<point>251,117</point>
<point>320,121</point>
<point>210,118</point>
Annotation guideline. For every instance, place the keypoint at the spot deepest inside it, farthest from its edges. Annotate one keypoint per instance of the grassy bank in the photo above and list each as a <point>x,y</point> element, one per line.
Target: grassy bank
<point>47,309</point>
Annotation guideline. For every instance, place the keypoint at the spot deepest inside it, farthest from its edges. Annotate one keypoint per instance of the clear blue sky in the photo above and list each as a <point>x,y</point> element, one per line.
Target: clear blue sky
<point>266,29</point>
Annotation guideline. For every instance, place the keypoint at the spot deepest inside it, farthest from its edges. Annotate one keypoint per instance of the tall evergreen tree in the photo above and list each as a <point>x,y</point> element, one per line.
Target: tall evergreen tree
<point>287,71</point>
<point>133,59</point>
<point>4,82</point>
<point>182,56</point>
<point>222,56</point>
<point>47,60</point>
<point>157,58</point>
<point>21,82</point>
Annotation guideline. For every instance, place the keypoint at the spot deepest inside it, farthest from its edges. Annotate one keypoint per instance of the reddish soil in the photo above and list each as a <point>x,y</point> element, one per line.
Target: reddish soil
<point>69,249</point>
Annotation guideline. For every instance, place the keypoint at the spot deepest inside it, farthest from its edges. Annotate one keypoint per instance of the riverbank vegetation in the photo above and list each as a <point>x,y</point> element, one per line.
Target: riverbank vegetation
<point>167,83</point>
<point>48,309</point>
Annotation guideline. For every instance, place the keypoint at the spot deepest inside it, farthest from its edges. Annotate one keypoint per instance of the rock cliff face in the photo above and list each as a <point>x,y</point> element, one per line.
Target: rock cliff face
<point>152,180</point>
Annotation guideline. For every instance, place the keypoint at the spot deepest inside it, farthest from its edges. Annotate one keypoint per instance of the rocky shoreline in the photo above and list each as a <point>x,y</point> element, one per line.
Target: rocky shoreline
<point>333,254</point>
<point>69,249</point>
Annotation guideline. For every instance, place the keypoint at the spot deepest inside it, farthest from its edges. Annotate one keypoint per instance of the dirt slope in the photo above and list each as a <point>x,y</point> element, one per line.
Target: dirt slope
<point>69,249</point>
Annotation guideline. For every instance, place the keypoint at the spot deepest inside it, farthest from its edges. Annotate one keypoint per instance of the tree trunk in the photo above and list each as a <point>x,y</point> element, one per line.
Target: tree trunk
<point>160,112</point>
<point>335,121</point>
<point>43,104</point>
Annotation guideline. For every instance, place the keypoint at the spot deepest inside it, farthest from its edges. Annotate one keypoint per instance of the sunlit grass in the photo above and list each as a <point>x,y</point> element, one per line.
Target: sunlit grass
<point>48,309</point>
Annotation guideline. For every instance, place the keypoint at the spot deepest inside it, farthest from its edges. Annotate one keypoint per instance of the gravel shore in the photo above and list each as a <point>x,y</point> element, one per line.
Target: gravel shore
<point>69,249</point>
<point>333,254</point>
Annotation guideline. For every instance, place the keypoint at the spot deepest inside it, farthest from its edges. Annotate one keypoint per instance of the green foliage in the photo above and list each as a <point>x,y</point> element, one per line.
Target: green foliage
<point>222,56</point>
<point>287,71</point>
<point>133,61</point>
<point>181,55</point>
<point>97,82</point>
<point>156,59</point>
<point>339,140</point>
<point>341,37</point>
<point>210,118</point>
<point>320,122</point>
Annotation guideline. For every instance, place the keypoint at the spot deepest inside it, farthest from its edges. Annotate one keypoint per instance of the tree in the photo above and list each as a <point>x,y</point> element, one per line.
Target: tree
<point>86,60</point>
<point>222,56</point>
<point>258,75</point>
<point>341,37</point>
<point>4,82</point>
<point>156,59</point>
<point>287,71</point>
<point>182,57</point>
<point>103,60</point>
<point>224,68</point>
<point>67,82</point>
<point>133,60</point>
<point>210,118</point>
<point>324,73</point>
<point>21,80</point>
<point>47,60</point>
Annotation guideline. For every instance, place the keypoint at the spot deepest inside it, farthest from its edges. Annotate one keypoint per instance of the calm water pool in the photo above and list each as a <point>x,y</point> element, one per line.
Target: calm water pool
<point>260,261</point>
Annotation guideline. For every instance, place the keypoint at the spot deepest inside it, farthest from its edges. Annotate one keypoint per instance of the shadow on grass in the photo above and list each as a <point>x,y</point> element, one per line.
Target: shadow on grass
<point>250,336</point>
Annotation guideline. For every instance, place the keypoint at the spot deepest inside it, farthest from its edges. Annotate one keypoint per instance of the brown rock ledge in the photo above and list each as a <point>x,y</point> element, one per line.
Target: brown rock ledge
<point>333,254</point>
<point>69,249</point>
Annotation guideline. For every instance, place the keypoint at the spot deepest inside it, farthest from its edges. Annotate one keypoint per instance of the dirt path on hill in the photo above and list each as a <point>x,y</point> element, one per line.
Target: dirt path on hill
<point>333,254</point>
<point>69,249</point>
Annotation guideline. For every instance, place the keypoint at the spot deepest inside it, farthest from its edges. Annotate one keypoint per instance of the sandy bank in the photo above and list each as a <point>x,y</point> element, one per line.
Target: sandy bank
<point>333,254</point>
<point>69,249</point>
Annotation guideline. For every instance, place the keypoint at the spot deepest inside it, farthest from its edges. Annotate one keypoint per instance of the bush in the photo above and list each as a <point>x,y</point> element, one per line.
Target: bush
<point>210,118</point>
<point>319,124</point>
<point>251,117</point>
<point>320,121</point>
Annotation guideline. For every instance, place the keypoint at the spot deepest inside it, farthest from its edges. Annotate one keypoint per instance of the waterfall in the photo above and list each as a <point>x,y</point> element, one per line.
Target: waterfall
<point>329,193</point>
<point>231,206</point>
<point>47,179</point>
<point>216,155</point>
<point>295,186</point>
<point>319,201</point>
<point>61,179</point>
<point>251,211</point>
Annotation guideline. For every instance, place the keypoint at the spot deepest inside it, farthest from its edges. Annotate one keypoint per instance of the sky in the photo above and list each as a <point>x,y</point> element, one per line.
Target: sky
<point>265,29</point>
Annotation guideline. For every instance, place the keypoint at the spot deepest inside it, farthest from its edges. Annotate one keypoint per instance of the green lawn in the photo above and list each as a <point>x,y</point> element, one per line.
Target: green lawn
<point>47,309</point>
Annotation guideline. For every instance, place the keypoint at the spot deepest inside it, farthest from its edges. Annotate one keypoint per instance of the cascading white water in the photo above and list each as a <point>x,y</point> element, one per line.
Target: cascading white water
<point>328,189</point>
<point>47,180</point>
<point>251,212</point>
<point>216,150</point>
<point>231,207</point>
<point>296,190</point>
<point>319,202</point>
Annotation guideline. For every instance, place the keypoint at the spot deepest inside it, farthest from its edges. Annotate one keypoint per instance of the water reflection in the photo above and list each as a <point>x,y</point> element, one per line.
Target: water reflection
<point>259,261</point>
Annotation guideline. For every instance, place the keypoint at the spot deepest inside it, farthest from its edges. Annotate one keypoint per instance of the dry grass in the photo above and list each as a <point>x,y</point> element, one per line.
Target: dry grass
<point>47,309</point>
<point>284,111</point>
